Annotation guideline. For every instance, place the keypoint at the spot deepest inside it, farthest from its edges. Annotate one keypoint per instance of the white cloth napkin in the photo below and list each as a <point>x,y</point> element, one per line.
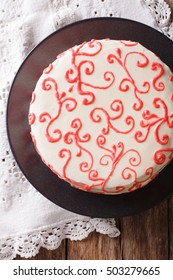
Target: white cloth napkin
<point>27,219</point>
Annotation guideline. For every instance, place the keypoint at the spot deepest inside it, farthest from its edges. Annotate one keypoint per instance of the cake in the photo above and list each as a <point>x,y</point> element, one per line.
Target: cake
<point>101,116</point>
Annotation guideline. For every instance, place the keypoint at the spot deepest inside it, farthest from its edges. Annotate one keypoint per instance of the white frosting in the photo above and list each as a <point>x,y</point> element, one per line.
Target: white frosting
<point>120,73</point>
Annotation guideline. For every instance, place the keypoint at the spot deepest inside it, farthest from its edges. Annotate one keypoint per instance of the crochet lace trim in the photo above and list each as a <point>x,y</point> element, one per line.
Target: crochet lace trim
<point>28,245</point>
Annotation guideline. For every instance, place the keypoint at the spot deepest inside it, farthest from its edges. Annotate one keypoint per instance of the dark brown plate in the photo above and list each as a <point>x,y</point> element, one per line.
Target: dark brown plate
<point>41,177</point>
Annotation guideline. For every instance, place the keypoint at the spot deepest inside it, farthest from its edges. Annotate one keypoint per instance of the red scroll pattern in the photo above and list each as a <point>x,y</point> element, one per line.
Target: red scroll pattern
<point>96,116</point>
<point>152,120</point>
<point>82,65</point>
<point>73,75</point>
<point>61,99</point>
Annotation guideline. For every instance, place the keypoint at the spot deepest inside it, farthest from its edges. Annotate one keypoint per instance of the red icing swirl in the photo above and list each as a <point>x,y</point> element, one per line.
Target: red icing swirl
<point>160,155</point>
<point>129,80</point>
<point>31,118</point>
<point>152,120</point>
<point>48,69</point>
<point>160,85</point>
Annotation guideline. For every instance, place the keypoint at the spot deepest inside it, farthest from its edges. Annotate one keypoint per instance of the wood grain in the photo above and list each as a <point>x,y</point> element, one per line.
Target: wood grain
<point>170,3</point>
<point>170,229</point>
<point>170,201</point>
<point>145,236</point>
<point>95,247</point>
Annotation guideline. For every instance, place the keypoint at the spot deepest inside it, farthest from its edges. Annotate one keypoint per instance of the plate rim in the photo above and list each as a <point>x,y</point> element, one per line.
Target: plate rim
<point>125,195</point>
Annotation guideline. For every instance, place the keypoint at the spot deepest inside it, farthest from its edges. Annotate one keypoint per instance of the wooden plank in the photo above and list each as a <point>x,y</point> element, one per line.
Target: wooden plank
<point>170,3</point>
<point>44,254</point>
<point>95,247</point>
<point>145,236</point>
<point>170,232</point>
<point>170,201</point>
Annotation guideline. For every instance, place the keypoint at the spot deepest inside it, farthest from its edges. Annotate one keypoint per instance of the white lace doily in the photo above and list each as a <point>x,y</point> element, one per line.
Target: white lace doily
<point>28,220</point>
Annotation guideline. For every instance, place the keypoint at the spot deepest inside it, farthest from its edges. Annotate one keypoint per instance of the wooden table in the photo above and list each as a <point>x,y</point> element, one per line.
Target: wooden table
<point>145,236</point>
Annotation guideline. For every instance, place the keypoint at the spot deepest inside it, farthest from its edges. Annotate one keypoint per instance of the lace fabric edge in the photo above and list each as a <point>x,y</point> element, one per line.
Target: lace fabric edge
<point>162,15</point>
<point>28,245</point>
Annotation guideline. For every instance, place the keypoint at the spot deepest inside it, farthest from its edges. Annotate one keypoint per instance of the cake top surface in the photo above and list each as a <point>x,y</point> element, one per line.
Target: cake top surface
<point>101,116</point>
